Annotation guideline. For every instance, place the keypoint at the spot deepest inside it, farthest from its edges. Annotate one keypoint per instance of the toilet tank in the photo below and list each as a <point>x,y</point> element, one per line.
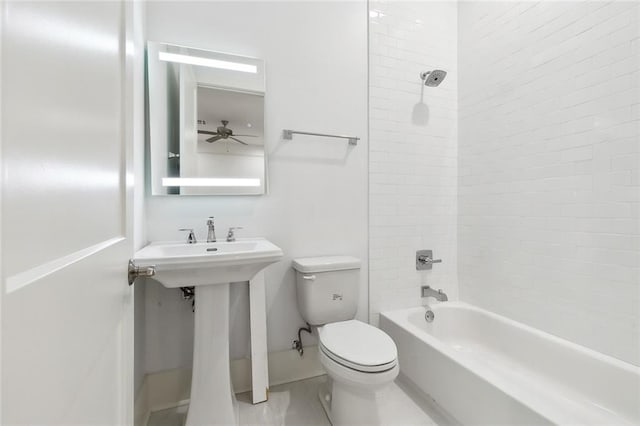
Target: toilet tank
<point>327,288</point>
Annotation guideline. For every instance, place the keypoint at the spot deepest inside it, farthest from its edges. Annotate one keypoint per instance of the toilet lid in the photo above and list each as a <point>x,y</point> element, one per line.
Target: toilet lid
<point>358,345</point>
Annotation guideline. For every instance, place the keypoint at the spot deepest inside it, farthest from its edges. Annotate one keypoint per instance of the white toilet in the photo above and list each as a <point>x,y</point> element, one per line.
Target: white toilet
<point>360,359</point>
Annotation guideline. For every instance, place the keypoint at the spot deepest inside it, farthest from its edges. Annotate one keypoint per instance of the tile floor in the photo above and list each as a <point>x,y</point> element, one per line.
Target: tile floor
<point>297,404</point>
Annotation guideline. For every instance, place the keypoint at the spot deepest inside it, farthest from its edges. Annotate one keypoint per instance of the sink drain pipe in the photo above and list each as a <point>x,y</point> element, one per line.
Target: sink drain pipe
<point>189,293</point>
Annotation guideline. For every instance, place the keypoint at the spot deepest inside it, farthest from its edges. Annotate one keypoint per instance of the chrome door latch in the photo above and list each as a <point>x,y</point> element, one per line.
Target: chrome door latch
<point>425,260</point>
<point>134,271</point>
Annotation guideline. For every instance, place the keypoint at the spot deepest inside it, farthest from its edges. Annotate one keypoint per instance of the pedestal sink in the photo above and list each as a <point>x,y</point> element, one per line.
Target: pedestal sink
<point>210,267</point>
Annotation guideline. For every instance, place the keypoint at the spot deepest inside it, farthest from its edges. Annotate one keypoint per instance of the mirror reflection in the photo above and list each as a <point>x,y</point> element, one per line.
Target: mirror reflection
<point>206,122</point>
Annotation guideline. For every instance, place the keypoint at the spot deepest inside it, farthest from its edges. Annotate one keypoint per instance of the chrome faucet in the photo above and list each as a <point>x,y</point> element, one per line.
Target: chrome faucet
<point>427,291</point>
<point>191,238</point>
<point>231,236</point>
<point>425,260</point>
<point>211,235</point>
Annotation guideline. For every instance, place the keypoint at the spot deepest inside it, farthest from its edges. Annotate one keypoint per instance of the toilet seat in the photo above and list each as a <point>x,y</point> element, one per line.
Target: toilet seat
<point>358,346</point>
<point>357,367</point>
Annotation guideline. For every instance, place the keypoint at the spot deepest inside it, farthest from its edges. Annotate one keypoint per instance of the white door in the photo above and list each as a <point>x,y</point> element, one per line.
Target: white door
<point>66,213</point>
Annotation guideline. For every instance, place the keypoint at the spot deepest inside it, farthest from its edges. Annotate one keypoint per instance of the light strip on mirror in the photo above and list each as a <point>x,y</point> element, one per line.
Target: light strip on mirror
<point>210,182</point>
<point>206,62</point>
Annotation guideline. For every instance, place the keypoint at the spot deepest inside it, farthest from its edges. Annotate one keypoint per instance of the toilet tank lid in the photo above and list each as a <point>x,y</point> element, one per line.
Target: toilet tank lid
<point>326,263</point>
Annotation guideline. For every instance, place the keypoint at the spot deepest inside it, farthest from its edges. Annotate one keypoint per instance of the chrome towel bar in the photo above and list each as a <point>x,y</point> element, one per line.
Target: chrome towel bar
<point>288,135</point>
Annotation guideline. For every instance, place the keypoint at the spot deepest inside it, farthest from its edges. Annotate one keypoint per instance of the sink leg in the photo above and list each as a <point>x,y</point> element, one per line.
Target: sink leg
<point>212,398</point>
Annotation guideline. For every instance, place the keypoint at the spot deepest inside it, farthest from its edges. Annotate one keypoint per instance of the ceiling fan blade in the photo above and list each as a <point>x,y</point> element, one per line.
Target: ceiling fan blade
<point>206,132</point>
<point>246,136</point>
<point>214,139</point>
<point>238,140</point>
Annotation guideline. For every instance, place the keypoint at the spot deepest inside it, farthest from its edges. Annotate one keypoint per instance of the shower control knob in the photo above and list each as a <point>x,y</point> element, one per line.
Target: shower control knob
<point>425,260</point>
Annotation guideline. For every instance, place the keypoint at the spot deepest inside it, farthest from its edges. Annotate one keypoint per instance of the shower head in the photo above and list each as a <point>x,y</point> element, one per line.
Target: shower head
<point>433,78</point>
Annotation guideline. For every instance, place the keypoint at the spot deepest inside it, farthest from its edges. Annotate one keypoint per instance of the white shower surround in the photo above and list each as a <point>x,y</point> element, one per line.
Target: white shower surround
<point>549,161</point>
<point>541,221</point>
<point>412,163</point>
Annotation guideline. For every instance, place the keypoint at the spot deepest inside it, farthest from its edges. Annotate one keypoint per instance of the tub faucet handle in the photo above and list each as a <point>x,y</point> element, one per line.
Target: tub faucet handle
<point>425,260</point>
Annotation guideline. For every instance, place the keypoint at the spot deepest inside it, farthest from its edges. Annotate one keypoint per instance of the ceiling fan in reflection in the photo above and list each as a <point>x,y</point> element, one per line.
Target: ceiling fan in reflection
<point>222,133</point>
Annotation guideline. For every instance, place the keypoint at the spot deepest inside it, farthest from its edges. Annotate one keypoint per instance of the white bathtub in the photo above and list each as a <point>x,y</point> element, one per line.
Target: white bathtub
<point>483,368</point>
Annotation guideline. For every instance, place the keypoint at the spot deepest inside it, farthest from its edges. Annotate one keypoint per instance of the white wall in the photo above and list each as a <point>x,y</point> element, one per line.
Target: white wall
<point>548,186</point>
<point>316,66</point>
<point>413,170</point>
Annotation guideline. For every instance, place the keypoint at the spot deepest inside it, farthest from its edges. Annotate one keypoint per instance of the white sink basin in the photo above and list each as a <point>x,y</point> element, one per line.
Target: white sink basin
<point>211,267</point>
<point>182,265</point>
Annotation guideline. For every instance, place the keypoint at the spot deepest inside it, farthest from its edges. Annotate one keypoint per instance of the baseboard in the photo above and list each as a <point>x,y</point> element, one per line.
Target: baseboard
<point>171,388</point>
<point>141,410</point>
<point>284,367</point>
<point>437,413</point>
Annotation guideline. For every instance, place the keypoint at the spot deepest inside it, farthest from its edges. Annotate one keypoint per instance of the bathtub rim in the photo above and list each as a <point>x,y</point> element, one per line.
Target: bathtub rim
<point>395,314</point>
<point>400,318</point>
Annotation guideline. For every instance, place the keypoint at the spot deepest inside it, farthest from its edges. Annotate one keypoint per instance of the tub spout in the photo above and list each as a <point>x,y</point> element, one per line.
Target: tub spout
<point>427,291</point>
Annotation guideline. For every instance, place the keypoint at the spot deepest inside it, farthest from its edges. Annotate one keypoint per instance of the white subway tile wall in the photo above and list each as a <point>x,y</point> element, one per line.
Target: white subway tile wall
<point>548,194</point>
<point>413,151</point>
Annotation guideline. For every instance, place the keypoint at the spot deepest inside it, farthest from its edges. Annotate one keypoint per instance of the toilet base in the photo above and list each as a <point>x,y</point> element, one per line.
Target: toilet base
<point>348,405</point>
<point>350,397</point>
<point>324,394</point>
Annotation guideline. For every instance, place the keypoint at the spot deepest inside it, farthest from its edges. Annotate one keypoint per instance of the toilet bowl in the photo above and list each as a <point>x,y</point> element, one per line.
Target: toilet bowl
<point>359,359</point>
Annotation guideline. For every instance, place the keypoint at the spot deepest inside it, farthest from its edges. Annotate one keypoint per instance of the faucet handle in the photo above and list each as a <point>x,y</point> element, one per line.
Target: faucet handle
<point>425,260</point>
<point>210,220</point>
<point>191,238</point>
<point>231,236</point>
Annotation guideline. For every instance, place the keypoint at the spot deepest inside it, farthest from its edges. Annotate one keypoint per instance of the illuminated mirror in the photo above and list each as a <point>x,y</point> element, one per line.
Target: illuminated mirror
<point>205,122</point>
